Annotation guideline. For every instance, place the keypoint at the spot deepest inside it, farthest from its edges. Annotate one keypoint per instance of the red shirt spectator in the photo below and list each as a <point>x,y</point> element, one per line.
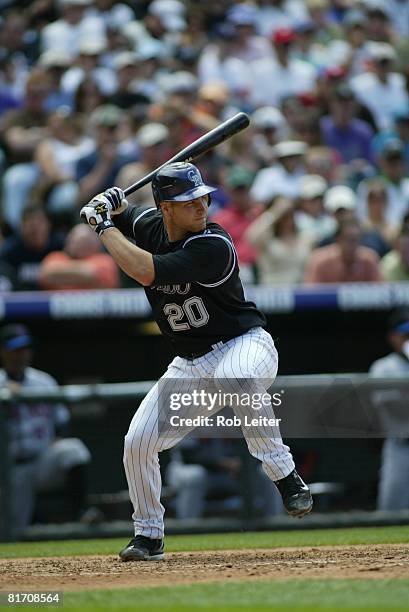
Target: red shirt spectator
<point>239,214</point>
<point>81,265</point>
<point>345,261</point>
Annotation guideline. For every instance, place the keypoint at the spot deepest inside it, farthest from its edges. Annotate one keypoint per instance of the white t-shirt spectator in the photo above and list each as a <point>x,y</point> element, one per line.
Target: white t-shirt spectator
<point>271,18</point>
<point>232,71</point>
<point>270,182</point>
<point>383,100</point>
<point>63,36</point>
<point>271,81</point>
<point>397,197</point>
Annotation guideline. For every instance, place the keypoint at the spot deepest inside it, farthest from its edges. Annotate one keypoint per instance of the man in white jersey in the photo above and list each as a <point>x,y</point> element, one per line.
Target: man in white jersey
<point>393,491</point>
<point>189,270</point>
<point>39,461</point>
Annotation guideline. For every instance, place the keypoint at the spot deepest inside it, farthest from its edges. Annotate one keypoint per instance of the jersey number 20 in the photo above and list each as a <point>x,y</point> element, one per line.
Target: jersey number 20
<point>193,310</point>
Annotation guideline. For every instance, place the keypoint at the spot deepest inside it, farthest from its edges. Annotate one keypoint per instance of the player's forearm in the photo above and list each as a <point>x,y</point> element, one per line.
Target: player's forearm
<point>135,262</point>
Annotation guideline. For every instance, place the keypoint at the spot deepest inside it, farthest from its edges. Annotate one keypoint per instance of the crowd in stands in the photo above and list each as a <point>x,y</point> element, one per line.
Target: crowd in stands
<point>96,93</point>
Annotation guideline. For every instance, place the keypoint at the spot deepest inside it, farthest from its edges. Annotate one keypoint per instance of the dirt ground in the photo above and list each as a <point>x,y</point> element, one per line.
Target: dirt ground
<point>92,572</point>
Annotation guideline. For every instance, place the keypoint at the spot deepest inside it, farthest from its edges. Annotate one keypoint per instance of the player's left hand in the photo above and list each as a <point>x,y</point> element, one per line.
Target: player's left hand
<point>97,214</point>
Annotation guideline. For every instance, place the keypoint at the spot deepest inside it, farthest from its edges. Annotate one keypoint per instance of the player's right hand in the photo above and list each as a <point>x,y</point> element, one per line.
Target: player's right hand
<point>116,200</point>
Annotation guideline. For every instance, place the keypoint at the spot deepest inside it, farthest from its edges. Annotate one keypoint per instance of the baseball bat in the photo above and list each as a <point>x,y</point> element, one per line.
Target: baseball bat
<point>211,139</point>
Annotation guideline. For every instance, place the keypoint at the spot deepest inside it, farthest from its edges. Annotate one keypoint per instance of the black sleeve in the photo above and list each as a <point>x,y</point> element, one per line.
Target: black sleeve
<point>205,259</point>
<point>130,222</point>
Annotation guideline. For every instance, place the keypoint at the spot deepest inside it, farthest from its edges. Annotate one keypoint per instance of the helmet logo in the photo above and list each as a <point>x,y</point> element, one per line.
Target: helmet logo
<point>194,178</point>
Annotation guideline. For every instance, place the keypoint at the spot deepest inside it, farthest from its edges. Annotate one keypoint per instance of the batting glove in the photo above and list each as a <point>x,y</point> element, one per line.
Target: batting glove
<point>97,214</point>
<point>116,200</point>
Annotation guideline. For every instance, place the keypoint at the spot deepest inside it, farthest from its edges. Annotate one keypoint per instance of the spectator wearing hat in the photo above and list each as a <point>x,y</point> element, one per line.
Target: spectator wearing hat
<point>341,203</point>
<point>399,131</point>
<point>311,217</point>
<point>392,173</point>
<point>152,139</point>
<point>290,76</point>
<point>317,11</point>
<point>283,178</point>
<point>342,131</point>
<point>354,25</point>
<point>382,90</point>
<point>395,264</point>
<point>282,249</point>
<point>308,46</point>
<point>345,261</point>
<point>25,250</point>
<point>248,46</point>
<point>97,171</point>
<point>88,64</point>
<point>393,489</point>
<point>81,265</point>
<point>56,62</point>
<point>212,104</point>
<point>39,460</point>
<point>237,215</point>
<point>376,207</point>
<point>126,93</point>
<point>269,126</point>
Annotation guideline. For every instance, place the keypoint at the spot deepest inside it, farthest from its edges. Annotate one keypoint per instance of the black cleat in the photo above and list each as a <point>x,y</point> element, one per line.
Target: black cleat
<point>297,498</point>
<point>141,548</point>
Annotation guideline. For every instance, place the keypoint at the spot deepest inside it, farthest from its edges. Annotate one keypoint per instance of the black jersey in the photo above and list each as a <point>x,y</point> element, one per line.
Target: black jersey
<point>197,297</point>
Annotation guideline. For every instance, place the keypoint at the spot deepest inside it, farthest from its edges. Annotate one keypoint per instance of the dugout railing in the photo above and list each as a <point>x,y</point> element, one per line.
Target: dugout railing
<point>352,406</point>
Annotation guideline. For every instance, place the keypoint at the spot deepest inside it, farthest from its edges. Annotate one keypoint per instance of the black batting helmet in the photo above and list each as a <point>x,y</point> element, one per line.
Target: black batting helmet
<point>179,182</point>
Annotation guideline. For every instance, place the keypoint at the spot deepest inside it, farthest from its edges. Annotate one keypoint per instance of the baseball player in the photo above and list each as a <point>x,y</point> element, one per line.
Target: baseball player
<point>189,270</point>
<point>42,457</point>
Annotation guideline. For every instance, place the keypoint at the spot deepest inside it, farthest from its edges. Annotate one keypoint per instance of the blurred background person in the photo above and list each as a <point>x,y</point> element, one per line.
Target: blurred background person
<point>25,250</point>
<point>282,248</point>
<point>152,139</point>
<point>382,90</point>
<point>269,127</point>
<point>206,475</point>
<point>21,131</point>
<point>81,265</point>
<point>98,170</point>
<point>345,261</point>
<point>395,264</point>
<point>42,457</point>
<point>392,173</point>
<point>239,212</point>
<point>284,176</point>
<point>311,216</point>
<point>393,490</point>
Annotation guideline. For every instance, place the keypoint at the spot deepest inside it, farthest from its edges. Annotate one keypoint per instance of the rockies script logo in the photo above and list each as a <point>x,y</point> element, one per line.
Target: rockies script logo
<point>194,178</point>
<point>170,289</point>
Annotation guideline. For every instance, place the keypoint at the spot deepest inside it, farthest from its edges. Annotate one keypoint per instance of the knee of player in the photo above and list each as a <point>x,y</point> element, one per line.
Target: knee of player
<point>228,379</point>
<point>138,442</point>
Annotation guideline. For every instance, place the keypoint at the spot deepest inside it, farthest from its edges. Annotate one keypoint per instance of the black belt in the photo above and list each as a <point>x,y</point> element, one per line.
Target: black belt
<point>191,356</point>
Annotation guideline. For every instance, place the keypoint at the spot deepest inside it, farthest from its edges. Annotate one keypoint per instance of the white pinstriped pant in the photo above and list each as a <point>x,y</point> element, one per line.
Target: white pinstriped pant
<point>252,358</point>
